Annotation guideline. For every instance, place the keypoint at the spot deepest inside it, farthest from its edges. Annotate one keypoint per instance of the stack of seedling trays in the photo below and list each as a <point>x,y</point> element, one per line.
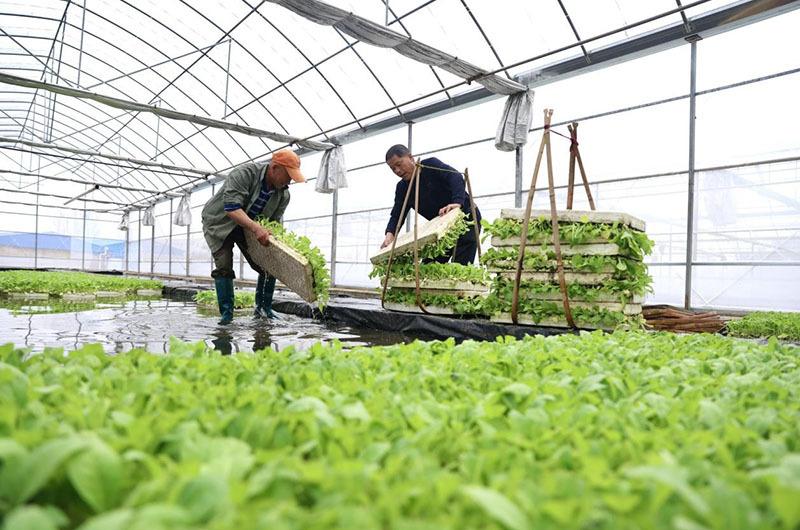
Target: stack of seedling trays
<point>445,288</point>
<point>602,253</point>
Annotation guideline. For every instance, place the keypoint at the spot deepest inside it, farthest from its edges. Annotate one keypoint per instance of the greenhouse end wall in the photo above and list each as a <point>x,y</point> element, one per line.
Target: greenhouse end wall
<point>634,139</point>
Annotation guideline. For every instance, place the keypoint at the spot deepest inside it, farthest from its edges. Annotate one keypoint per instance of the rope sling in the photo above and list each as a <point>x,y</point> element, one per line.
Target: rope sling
<point>415,178</point>
<point>544,147</point>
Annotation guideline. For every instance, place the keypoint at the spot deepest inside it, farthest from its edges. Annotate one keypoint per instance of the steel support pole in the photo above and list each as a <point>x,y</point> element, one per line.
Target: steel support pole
<point>690,220</point>
<point>518,177</point>
<point>188,227</point>
<point>127,247</point>
<point>83,243</point>
<point>38,171</point>
<point>169,250</point>
<point>157,103</point>
<point>334,224</point>
<point>36,231</point>
<point>152,248</point>
<point>139,245</point>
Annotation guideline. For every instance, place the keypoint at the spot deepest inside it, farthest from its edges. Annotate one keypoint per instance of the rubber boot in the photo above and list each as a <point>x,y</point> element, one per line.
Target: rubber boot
<point>265,288</point>
<point>224,287</point>
<point>259,294</point>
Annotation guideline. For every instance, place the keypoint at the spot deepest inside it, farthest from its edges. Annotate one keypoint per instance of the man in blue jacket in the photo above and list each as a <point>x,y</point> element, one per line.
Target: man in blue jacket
<point>441,189</point>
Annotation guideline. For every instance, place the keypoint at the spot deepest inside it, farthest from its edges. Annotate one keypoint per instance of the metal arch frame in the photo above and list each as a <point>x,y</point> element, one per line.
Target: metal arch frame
<point>403,26</point>
<point>49,54</point>
<point>311,63</point>
<point>227,35</point>
<point>486,37</point>
<point>282,84</point>
<point>651,42</point>
<point>582,42</point>
<point>575,30</point>
<point>260,63</point>
<point>122,92</point>
<point>665,38</point>
<point>203,54</point>
<point>77,170</point>
<point>111,66</point>
<point>371,71</point>
<point>153,66</point>
<point>200,130</point>
<point>157,73</point>
<point>125,52</point>
<point>533,78</point>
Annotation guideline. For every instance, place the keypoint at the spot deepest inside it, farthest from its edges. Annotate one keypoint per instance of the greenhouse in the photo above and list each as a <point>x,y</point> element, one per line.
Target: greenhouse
<point>400,264</point>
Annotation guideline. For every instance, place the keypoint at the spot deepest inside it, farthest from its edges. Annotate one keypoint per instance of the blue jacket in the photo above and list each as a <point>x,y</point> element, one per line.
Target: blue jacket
<point>437,189</point>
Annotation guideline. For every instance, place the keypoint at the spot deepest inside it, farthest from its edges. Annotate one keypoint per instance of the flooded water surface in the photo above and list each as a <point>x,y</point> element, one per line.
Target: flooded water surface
<point>149,324</point>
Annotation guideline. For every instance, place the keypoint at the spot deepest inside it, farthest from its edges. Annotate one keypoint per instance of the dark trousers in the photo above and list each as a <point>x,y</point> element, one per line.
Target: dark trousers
<point>223,258</point>
<point>465,249</point>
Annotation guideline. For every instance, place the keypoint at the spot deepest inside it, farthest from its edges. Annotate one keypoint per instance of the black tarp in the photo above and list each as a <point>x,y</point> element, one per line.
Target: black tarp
<point>369,314</point>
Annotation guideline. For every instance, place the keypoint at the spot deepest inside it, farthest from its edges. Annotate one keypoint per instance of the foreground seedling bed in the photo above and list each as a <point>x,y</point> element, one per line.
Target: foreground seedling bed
<point>590,430</point>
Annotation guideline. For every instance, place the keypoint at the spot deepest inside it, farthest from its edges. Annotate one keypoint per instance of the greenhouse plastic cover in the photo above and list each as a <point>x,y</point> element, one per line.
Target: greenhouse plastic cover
<point>264,67</point>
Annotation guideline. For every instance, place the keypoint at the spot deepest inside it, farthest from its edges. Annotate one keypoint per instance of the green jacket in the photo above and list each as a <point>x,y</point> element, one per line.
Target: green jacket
<point>241,186</point>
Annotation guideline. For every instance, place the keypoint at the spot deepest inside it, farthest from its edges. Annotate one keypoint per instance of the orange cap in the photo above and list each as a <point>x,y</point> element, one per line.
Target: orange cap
<point>289,159</point>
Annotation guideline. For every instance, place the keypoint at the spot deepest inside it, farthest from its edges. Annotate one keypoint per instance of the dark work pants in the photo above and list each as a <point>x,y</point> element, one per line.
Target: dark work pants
<point>465,250</point>
<point>223,258</point>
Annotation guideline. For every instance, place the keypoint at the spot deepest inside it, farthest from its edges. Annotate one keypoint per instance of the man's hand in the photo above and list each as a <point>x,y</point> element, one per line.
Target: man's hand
<point>448,208</point>
<point>262,234</point>
<point>387,240</point>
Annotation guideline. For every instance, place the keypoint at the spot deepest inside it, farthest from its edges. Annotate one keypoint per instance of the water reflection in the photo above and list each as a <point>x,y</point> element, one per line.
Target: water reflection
<point>223,341</point>
<point>124,325</point>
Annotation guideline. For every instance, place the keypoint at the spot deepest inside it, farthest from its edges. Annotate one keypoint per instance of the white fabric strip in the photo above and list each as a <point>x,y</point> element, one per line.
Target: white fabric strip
<point>378,35</point>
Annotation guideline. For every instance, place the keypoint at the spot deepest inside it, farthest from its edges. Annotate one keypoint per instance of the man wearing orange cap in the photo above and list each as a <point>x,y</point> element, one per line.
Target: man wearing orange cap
<point>250,190</point>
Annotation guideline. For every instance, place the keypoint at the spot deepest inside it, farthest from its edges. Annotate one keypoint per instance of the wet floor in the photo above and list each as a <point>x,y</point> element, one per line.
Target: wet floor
<point>149,324</point>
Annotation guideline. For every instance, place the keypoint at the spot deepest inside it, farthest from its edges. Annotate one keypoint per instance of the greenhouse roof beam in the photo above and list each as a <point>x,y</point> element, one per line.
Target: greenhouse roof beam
<point>56,206</point>
<point>79,181</point>
<point>85,152</point>
<point>56,196</point>
<point>164,113</point>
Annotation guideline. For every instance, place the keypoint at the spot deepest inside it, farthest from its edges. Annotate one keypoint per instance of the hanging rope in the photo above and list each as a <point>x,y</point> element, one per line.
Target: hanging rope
<point>575,154</point>
<point>474,211</point>
<point>396,232</point>
<point>416,243</point>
